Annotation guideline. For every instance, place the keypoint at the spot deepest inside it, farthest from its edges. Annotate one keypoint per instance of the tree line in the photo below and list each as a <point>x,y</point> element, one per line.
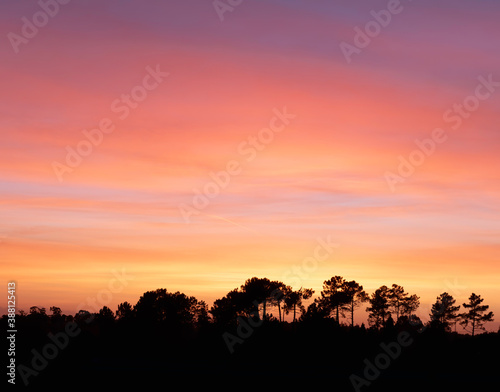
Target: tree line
<point>339,297</point>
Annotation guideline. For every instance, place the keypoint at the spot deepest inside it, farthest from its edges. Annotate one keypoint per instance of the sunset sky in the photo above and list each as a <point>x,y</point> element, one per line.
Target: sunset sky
<point>342,128</point>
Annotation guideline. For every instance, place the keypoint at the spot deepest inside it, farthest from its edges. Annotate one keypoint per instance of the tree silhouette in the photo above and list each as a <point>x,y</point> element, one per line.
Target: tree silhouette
<point>354,296</point>
<point>35,310</point>
<point>293,300</point>
<point>56,311</point>
<point>278,294</point>
<point>255,292</point>
<point>83,316</point>
<point>409,305</point>
<point>410,322</point>
<point>226,309</point>
<point>396,299</point>
<point>106,314</point>
<point>124,311</point>
<point>475,315</point>
<point>105,318</point>
<point>379,307</point>
<point>333,296</point>
<point>170,308</point>
<point>174,333</point>
<point>259,290</point>
<point>315,311</point>
<point>443,312</point>
<point>389,323</point>
<point>200,312</point>
<point>38,315</point>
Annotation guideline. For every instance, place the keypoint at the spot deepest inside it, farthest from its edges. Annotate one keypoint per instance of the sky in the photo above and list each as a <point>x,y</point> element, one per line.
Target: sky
<point>191,145</point>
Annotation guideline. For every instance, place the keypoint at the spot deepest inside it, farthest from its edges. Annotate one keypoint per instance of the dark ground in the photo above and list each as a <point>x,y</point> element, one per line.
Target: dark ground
<point>276,355</point>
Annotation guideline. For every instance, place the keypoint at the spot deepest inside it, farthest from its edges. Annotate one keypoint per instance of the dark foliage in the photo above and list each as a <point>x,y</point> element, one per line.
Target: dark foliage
<point>167,338</point>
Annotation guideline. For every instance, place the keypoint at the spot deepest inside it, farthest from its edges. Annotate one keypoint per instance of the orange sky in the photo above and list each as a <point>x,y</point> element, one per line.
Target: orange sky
<point>323,174</point>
